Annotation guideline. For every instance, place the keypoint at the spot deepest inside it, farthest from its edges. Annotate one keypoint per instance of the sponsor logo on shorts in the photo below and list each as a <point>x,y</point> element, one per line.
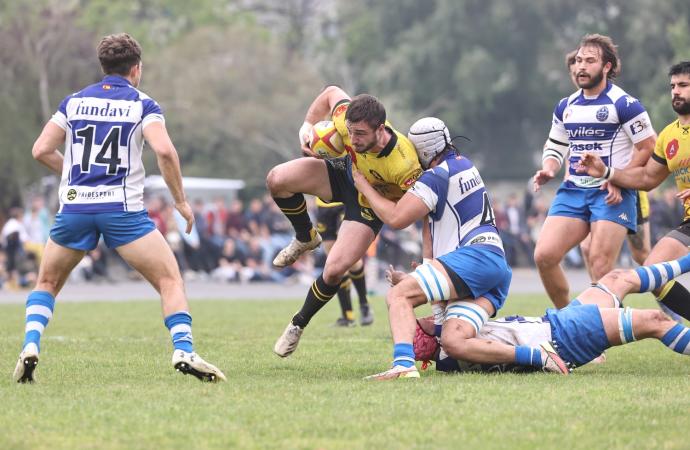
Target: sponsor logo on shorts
<point>624,217</point>
<point>71,194</point>
<point>367,214</point>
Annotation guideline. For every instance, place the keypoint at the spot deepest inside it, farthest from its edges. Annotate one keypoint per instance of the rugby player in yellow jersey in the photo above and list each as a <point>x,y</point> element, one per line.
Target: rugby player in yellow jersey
<point>671,156</point>
<point>384,156</point>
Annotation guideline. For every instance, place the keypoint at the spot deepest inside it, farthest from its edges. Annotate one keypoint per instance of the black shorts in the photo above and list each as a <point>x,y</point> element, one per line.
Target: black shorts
<point>328,220</point>
<point>343,189</point>
<point>682,233</point>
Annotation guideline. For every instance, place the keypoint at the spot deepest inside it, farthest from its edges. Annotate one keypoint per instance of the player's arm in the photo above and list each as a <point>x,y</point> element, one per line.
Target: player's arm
<point>643,151</point>
<point>157,136</point>
<point>646,177</point>
<point>427,250</point>
<point>320,108</point>
<point>45,149</point>
<point>555,149</point>
<point>402,214</point>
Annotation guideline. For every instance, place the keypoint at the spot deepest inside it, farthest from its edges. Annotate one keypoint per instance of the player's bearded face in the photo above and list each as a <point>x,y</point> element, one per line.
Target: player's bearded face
<point>589,67</point>
<point>680,100</point>
<point>362,136</point>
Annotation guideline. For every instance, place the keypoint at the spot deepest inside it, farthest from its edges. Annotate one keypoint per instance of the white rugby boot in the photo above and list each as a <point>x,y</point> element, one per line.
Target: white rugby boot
<point>28,360</point>
<point>295,249</point>
<point>288,341</point>
<point>394,373</point>
<point>193,364</point>
<point>551,361</point>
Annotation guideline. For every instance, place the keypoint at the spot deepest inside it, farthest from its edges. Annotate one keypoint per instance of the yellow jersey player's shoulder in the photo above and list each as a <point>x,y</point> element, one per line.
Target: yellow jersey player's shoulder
<point>408,169</point>
<point>665,148</point>
<point>338,118</point>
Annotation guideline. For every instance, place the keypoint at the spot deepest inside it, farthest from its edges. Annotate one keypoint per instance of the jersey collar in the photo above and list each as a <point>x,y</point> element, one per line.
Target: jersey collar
<point>391,144</point>
<point>116,80</point>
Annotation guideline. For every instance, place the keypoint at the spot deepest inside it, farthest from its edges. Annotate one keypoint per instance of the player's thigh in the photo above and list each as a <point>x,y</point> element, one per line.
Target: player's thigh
<point>558,235</point>
<point>152,257</point>
<point>305,175</point>
<point>641,240</point>
<point>585,245</point>
<point>667,249</point>
<point>598,296</point>
<point>644,323</point>
<point>354,238</point>
<point>56,265</point>
<point>607,239</point>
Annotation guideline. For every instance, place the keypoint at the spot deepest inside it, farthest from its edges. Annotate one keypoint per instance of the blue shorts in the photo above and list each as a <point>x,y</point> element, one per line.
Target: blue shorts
<point>578,332</point>
<point>589,204</point>
<point>485,272</point>
<point>82,231</point>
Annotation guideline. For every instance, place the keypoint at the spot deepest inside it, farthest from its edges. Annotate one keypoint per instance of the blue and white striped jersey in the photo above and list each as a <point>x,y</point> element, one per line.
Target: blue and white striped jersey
<point>461,212</point>
<point>103,170</point>
<point>607,125</point>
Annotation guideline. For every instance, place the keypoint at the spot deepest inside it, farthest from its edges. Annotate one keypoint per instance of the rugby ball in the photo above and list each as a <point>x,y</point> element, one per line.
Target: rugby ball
<point>325,140</point>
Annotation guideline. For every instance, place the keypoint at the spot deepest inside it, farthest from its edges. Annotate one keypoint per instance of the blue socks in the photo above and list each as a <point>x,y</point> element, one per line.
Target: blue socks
<point>655,276</point>
<point>39,311</point>
<point>528,356</point>
<point>678,339</point>
<point>180,326</point>
<point>403,355</point>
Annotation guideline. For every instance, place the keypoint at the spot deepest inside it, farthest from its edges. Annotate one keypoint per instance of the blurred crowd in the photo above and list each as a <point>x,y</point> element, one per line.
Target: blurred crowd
<point>236,241</point>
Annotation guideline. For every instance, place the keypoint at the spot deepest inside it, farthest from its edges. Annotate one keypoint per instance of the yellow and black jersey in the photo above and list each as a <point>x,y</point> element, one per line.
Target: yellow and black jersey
<point>673,150</point>
<point>392,171</point>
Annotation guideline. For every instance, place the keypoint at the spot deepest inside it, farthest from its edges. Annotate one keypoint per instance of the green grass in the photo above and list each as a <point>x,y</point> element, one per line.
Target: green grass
<point>105,382</point>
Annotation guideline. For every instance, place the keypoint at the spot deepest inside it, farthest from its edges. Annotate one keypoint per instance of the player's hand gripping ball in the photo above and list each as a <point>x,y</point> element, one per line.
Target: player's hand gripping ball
<point>325,140</point>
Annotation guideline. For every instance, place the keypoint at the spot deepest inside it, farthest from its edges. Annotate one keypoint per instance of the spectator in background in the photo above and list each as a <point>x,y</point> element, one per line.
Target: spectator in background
<point>217,218</point>
<point>156,207</point>
<point>209,252</point>
<point>230,263</point>
<point>37,225</point>
<point>235,221</point>
<point>13,236</point>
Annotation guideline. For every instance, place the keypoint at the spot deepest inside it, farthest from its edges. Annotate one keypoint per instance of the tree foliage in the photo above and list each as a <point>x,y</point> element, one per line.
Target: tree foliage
<point>235,77</point>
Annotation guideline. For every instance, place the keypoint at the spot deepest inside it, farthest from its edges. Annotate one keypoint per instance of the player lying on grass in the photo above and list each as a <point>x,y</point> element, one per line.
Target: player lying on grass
<point>594,321</point>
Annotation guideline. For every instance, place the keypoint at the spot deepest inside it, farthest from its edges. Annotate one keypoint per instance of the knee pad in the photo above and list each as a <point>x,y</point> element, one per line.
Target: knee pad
<point>432,281</point>
<point>469,312</point>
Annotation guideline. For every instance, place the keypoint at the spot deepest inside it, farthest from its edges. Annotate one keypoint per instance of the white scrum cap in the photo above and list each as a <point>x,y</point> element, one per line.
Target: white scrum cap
<point>430,137</point>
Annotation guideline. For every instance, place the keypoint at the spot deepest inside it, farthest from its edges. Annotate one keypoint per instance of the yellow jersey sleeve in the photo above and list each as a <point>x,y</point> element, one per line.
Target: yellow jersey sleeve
<point>338,118</point>
<point>673,150</point>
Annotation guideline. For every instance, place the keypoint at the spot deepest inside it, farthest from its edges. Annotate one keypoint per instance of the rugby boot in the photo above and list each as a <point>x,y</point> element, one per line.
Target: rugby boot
<point>295,249</point>
<point>394,373</point>
<point>551,361</point>
<point>288,341</point>
<point>344,322</point>
<point>24,370</point>
<point>366,316</point>
<point>193,364</point>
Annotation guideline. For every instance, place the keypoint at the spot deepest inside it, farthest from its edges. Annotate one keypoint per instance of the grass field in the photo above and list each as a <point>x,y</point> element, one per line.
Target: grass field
<point>105,382</point>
